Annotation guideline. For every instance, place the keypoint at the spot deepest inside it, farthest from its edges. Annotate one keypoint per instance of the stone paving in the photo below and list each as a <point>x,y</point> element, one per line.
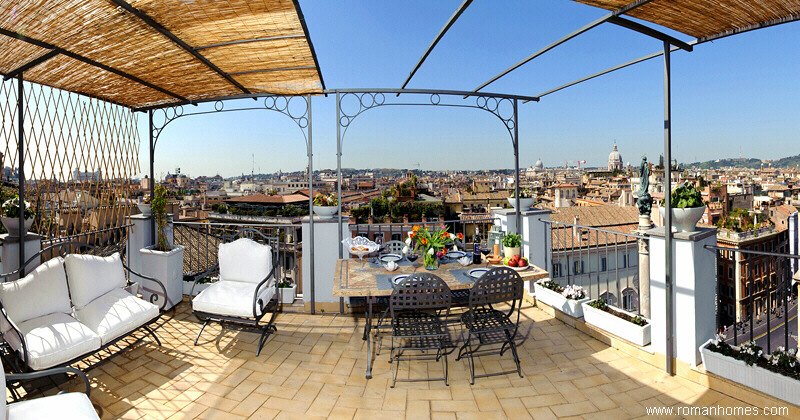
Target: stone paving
<point>314,368</point>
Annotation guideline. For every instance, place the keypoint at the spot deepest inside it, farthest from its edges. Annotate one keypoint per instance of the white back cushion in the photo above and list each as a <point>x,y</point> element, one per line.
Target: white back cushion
<point>42,292</point>
<point>90,276</point>
<point>244,260</point>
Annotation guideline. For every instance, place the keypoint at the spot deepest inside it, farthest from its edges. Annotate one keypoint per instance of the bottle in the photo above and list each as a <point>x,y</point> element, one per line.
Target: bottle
<point>476,254</point>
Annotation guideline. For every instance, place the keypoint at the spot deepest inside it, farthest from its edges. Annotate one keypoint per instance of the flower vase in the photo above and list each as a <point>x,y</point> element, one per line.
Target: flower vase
<point>431,262</point>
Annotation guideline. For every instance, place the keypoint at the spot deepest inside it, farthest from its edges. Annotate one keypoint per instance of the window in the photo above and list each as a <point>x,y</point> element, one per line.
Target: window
<point>603,264</point>
<point>578,267</point>
<point>624,261</point>
<point>556,269</point>
<point>730,272</point>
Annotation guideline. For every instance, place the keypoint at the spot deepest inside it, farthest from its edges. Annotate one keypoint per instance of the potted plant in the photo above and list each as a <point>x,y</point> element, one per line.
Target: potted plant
<point>287,291</point>
<point>433,242</point>
<point>163,261</point>
<point>687,208</point>
<point>623,324</point>
<point>511,244</point>
<point>144,206</point>
<point>10,216</point>
<point>565,299</point>
<point>526,199</point>
<point>188,283</point>
<point>776,374</point>
<point>326,206</point>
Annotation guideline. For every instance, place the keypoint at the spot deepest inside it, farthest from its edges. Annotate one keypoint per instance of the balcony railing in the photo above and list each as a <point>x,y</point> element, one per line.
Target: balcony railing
<point>201,242</point>
<point>740,236</point>
<point>604,262</point>
<point>762,310</point>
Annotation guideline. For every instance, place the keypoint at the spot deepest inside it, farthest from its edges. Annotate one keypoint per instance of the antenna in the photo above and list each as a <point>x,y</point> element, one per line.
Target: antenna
<point>253,171</point>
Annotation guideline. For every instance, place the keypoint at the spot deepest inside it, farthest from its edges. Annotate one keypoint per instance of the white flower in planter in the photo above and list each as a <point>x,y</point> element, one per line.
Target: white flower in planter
<point>405,250</point>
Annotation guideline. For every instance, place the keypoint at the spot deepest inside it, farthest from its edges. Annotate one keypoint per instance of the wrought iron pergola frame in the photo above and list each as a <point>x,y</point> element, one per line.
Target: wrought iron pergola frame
<point>269,102</point>
<point>374,98</point>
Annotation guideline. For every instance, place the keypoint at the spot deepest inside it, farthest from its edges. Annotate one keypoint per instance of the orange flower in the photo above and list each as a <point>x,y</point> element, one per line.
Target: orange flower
<point>423,241</point>
<point>460,236</point>
<point>413,235</point>
<point>444,235</point>
<point>415,228</point>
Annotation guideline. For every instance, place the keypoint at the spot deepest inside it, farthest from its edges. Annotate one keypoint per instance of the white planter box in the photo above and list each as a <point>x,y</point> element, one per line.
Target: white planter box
<point>684,220</point>
<point>187,288</point>
<point>755,377</point>
<point>570,307</point>
<point>287,294</point>
<point>167,267</point>
<point>615,325</point>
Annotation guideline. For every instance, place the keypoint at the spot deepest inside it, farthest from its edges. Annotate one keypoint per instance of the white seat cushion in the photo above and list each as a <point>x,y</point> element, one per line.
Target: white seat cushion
<point>244,260</point>
<point>90,276</point>
<point>53,339</point>
<point>42,292</point>
<point>116,313</point>
<point>71,406</point>
<point>231,298</point>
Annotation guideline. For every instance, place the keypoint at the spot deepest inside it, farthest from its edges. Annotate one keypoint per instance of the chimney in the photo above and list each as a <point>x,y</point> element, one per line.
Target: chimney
<point>576,231</point>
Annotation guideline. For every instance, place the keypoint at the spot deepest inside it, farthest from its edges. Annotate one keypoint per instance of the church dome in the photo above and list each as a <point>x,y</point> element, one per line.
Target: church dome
<point>614,159</point>
<point>539,164</point>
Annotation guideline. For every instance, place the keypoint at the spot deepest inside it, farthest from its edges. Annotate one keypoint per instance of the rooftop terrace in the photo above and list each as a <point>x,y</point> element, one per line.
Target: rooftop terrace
<point>314,368</point>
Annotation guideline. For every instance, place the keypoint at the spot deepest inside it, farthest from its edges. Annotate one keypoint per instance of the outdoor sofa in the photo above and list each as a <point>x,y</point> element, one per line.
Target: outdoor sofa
<point>70,307</point>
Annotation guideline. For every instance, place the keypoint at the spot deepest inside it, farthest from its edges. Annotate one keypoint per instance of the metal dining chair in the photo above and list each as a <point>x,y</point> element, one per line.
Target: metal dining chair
<point>488,326</point>
<point>394,247</point>
<point>416,325</point>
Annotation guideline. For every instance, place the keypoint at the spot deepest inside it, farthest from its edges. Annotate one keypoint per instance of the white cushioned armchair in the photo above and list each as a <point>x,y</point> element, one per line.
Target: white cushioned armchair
<point>245,291</point>
<point>72,405</point>
<point>67,308</point>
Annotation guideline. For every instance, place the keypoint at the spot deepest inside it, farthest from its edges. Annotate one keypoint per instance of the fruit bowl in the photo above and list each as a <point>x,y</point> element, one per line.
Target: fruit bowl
<point>517,267</point>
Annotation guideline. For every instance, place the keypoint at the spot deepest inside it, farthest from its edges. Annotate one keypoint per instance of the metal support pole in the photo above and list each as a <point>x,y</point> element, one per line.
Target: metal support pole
<point>152,174</point>
<point>339,184</point>
<point>668,207</point>
<point>516,171</point>
<point>310,210</point>
<point>21,172</point>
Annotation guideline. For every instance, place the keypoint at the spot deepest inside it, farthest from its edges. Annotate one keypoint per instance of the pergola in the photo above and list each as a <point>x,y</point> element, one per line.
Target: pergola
<point>149,55</point>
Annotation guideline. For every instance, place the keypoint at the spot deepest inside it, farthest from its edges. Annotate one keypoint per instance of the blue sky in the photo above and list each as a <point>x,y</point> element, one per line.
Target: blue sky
<point>735,96</point>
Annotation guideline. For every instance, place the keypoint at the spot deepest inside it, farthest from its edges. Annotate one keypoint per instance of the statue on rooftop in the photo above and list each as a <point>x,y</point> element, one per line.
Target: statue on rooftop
<point>645,201</point>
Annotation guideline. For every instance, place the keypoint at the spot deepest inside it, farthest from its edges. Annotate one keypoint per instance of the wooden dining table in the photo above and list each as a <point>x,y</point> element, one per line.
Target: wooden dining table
<point>354,278</point>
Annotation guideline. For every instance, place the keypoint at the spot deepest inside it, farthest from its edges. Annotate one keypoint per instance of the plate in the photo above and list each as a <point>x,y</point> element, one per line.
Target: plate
<point>397,279</point>
<point>390,257</point>
<point>454,255</point>
<point>477,272</point>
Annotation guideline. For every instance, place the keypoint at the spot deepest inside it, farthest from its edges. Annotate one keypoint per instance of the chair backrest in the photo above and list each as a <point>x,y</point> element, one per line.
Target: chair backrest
<point>244,260</point>
<point>418,292</point>
<point>395,247</point>
<point>498,285</point>
<point>42,292</point>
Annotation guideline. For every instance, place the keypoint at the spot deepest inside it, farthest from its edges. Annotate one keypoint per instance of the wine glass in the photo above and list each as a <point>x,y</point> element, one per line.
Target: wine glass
<point>485,251</point>
<point>412,256</point>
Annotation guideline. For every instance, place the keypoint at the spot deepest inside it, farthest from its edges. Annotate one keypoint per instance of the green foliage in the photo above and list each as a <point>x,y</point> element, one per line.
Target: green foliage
<point>219,208</point>
<point>512,240</point>
<point>523,193</point>
<point>158,205</point>
<point>11,208</point>
<point>600,304</point>
<point>686,196</point>
<point>322,200</point>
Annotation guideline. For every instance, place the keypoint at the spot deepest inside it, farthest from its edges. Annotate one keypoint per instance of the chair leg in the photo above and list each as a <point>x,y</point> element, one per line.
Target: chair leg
<point>264,336</point>
<point>514,352</point>
<point>445,370</point>
<point>153,333</point>
<point>201,331</point>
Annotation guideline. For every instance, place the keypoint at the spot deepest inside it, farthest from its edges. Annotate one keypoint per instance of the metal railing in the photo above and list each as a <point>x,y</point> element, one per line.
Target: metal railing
<point>385,232</point>
<point>201,242</point>
<point>740,236</point>
<point>755,298</point>
<point>605,263</point>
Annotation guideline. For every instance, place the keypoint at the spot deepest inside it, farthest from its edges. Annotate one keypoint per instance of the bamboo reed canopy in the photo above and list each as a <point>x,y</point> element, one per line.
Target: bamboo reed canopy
<point>150,53</point>
<point>708,19</point>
